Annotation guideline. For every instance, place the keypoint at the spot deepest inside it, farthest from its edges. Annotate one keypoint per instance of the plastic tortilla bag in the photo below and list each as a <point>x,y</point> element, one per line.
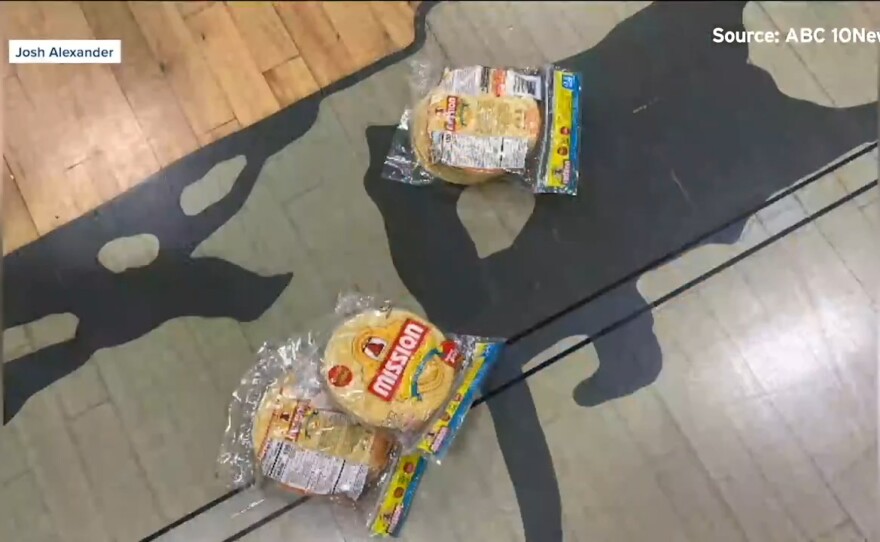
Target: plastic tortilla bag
<point>285,435</point>
<point>481,123</point>
<point>390,368</point>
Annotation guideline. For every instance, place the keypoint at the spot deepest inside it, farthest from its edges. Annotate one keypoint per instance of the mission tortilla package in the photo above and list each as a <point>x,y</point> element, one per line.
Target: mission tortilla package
<point>286,436</point>
<point>391,369</point>
<point>480,123</point>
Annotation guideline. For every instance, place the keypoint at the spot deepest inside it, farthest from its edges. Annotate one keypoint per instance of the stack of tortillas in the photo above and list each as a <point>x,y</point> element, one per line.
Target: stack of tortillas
<point>390,368</point>
<point>484,115</point>
<point>308,425</point>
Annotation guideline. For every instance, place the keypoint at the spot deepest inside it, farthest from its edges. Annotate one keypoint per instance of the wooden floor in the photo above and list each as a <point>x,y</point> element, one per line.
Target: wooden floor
<point>192,72</point>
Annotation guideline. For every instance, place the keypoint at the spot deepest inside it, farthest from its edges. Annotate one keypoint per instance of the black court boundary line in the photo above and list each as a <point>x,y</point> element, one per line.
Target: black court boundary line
<point>192,515</point>
<point>610,328</point>
<point>421,31</point>
<point>853,154</point>
<point>680,290</point>
<point>268,519</point>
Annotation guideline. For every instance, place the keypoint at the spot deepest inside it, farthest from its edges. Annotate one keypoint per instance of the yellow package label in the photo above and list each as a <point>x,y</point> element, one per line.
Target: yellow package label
<point>437,435</point>
<point>395,502</point>
<point>564,148</point>
<point>443,431</point>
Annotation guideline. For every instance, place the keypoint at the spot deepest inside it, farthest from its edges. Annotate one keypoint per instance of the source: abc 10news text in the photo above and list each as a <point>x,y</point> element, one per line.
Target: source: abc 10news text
<point>817,35</point>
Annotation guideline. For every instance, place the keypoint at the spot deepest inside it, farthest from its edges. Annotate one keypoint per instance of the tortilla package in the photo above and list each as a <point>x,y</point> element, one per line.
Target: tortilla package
<point>285,435</point>
<point>390,368</point>
<point>443,430</point>
<point>480,123</point>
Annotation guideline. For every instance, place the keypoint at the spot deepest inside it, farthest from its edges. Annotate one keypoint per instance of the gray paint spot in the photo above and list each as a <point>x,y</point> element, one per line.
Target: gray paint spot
<point>129,252</point>
<point>53,329</point>
<point>15,343</point>
<point>211,188</point>
<point>514,204</point>
<point>493,214</point>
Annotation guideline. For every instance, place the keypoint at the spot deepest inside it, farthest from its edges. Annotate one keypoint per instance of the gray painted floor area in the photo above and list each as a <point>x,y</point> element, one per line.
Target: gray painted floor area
<point>761,427</point>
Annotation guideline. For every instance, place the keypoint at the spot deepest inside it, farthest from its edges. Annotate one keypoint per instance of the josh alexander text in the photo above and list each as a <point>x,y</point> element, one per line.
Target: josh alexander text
<point>63,52</point>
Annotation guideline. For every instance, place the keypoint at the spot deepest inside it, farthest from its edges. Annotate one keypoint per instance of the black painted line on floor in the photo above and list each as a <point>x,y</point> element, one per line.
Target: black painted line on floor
<point>268,519</point>
<point>616,325</point>
<point>830,168</point>
<point>192,515</point>
<point>678,291</point>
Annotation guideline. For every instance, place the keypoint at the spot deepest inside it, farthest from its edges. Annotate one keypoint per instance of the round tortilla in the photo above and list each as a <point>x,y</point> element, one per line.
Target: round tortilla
<point>515,116</point>
<point>359,349</point>
<point>374,445</point>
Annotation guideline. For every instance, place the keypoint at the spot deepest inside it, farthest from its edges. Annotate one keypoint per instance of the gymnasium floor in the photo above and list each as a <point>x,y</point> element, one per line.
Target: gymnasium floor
<point>693,337</point>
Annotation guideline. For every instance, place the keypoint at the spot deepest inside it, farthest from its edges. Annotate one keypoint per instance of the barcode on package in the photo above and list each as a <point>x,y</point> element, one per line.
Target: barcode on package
<point>523,85</point>
<point>480,152</point>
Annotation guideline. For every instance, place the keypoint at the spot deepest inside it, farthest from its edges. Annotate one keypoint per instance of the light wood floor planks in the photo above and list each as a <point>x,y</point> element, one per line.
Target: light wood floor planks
<point>192,73</point>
